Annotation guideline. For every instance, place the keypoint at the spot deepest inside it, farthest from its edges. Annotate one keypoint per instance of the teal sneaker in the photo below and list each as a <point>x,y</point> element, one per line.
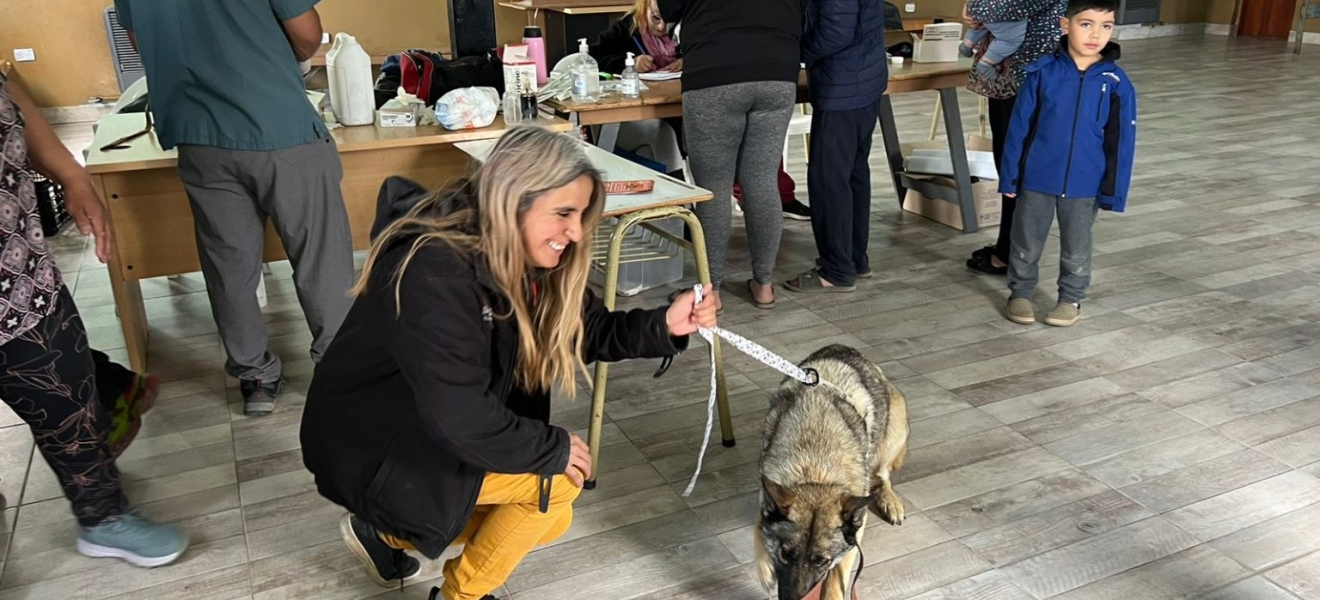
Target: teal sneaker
<point>135,539</point>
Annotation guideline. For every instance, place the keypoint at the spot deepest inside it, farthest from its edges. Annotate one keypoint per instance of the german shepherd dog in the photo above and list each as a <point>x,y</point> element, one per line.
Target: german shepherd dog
<point>829,450</point>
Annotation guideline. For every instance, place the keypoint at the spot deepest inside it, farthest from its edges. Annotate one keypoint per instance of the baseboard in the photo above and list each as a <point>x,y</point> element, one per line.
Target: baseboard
<point>83,113</point>
<point>1307,38</point>
<point>1142,31</point>
<point>1224,29</point>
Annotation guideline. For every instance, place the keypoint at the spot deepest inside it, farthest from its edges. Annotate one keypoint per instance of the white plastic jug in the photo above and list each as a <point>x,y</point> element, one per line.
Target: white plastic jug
<point>349,71</point>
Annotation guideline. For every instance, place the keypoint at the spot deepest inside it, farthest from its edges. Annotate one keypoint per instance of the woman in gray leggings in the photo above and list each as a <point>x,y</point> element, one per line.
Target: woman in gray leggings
<point>740,71</point>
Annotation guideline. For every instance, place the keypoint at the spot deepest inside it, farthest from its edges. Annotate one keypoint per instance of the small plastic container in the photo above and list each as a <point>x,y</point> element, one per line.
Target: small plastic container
<point>664,267</point>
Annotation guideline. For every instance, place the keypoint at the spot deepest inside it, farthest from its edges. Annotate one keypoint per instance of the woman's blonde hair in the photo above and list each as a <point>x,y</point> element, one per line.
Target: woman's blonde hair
<point>640,12</point>
<point>525,163</point>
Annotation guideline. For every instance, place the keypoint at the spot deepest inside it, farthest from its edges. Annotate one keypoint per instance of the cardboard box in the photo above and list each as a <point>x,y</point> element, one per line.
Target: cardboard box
<point>934,197</point>
<point>397,116</point>
<point>518,65</point>
<point>939,43</point>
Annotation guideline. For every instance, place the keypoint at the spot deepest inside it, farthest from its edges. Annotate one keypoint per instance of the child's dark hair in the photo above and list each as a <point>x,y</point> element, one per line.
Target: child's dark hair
<point>1077,6</point>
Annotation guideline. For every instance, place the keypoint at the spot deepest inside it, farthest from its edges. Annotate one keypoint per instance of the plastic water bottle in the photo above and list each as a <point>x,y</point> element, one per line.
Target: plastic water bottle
<point>348,68</point>
<point>513,103</point>
<point>586,76</point>
<point>629,86</point>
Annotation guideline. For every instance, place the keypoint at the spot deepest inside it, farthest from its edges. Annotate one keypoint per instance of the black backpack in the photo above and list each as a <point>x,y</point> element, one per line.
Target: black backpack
<point>429,76</point>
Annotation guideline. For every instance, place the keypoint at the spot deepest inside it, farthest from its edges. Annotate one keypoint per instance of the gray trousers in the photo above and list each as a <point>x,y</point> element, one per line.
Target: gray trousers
<point>738,130</point>
<point>1031,229</point>
<point>232,192</point>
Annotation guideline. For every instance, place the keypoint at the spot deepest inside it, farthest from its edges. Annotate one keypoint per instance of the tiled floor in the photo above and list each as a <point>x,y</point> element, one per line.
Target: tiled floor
<point>1165,447</point>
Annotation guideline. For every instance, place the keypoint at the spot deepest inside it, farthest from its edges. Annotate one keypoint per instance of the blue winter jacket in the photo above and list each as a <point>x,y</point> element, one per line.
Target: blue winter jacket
<point>1073,133</point>
<point>844,48</point>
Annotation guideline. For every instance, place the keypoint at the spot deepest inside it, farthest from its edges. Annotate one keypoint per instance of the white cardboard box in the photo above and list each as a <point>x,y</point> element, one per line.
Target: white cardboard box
<point>938,43</point>
<point>985,194</point>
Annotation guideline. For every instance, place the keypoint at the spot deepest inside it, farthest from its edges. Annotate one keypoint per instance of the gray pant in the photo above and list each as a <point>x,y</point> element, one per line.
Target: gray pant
<point>739,129</point>
<point>232,192</point>
<point>1031,229</point>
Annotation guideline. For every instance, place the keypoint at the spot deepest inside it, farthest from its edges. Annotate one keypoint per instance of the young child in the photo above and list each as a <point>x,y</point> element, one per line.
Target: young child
<point>1007,37</point>
<point>1069,150</point>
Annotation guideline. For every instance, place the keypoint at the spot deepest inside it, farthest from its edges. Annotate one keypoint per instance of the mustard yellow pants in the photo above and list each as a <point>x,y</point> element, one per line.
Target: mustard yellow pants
<point>506,525</point>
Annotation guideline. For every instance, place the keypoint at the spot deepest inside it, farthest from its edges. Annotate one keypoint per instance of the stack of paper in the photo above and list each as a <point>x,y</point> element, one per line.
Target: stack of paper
<point>660,75</point>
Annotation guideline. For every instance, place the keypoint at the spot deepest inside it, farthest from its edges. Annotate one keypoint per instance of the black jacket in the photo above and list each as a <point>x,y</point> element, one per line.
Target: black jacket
<point>844,48</point>
<point>612,47</point>
<point>406,414</point>
<point>737,41</point>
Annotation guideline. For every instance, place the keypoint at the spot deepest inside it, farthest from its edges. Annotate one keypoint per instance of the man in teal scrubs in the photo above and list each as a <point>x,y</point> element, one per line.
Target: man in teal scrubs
<point>225,88</point>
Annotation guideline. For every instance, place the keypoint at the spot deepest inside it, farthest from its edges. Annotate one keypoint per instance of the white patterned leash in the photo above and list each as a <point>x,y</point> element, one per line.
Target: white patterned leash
<point>752,349</point>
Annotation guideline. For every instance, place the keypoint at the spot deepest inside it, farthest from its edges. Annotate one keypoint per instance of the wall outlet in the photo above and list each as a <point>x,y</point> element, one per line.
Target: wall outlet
<point>24,55</point>
<point>910,8</point>
<point>325,38</point>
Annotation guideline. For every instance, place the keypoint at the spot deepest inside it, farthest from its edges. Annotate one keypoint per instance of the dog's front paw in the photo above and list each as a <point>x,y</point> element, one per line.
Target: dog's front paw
<point>890,507</point>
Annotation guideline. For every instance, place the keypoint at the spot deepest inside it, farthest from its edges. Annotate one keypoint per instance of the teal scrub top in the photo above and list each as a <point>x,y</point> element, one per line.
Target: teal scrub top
<point>222,72</point>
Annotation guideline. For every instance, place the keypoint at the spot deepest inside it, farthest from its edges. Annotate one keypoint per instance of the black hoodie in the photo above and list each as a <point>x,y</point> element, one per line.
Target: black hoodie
<point>408,412</point>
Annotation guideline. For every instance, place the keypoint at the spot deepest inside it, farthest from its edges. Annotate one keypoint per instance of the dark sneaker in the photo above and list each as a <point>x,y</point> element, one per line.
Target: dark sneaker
<point>133,538</point>
<point>259,396</point>
<point>130,405</point>
<point>797,211</point>
<point>388,566</point>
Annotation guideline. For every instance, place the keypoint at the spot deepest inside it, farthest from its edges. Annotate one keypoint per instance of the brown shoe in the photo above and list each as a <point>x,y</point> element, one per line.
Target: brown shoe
<point>1065,314</point>
<point>1020,311</point>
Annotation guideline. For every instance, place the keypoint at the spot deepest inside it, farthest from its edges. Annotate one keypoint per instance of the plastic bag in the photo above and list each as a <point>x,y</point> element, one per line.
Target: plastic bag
<point>468,108</point>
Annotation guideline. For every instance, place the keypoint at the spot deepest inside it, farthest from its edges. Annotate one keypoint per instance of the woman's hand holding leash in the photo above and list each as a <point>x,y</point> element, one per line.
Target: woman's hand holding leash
<point>684,318</point>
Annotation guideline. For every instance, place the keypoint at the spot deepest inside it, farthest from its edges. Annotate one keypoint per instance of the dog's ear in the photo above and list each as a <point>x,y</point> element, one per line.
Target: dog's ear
<point>780,495</point>
<point>853,506</point>
<point>852,510</point>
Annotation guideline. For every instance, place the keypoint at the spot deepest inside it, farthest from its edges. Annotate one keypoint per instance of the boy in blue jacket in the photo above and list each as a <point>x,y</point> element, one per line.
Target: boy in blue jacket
<point>843,45</point>
<point>1069,150</point>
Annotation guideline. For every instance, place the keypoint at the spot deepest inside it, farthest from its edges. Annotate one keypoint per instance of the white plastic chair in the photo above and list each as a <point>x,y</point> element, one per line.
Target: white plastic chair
<point>800,124</point>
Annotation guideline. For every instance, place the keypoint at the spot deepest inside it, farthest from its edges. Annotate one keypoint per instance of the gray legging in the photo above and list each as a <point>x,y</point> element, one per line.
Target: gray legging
<point>739,128</point>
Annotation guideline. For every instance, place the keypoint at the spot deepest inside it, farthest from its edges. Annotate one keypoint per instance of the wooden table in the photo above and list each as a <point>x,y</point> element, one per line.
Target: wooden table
<point>152,220</point>
<point>669,199</point>
<point>663,99</point>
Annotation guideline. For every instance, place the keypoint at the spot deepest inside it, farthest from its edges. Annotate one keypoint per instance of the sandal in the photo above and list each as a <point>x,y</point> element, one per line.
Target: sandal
<point>811,282</point>
<point>982,263</point>
<point>751,292</point>
<point>983,251</point>
<point>866,273</point>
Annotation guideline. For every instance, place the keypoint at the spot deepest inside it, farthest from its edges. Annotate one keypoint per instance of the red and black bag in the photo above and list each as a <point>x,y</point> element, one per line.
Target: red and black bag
<point>418,73</point>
